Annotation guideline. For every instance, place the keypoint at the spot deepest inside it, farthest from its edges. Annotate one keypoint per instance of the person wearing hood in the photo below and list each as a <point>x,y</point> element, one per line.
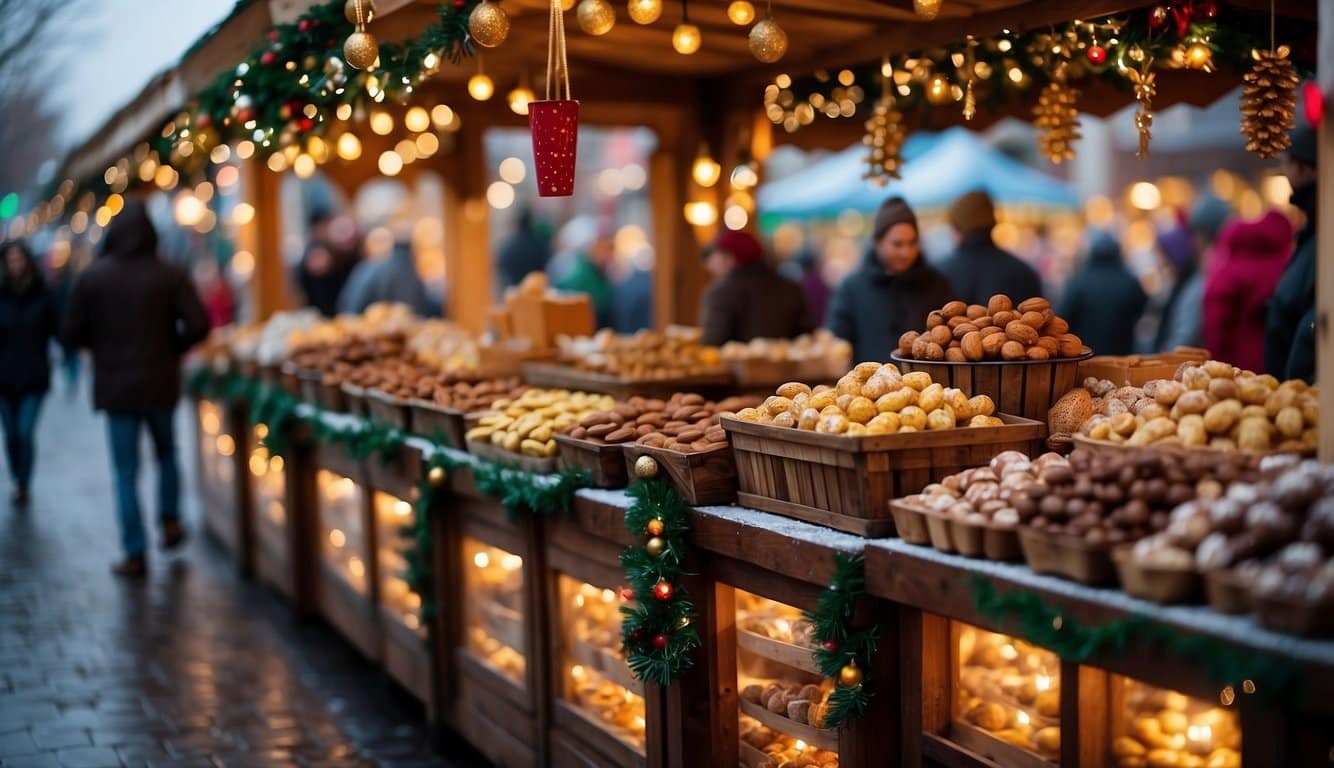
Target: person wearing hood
<point>892,292</point>
<point>1290,326</point>
<point>1247,264</point>
<point>1179,323</point>
<point>138,316</point>
<point>1103,301</point>
<point>27,322</point>
<point>979,269</point>
<point>391,278</point>
<point>748,299</point>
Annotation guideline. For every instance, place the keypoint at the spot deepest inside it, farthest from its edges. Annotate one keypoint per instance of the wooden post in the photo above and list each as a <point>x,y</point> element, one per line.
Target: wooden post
<point>1324,295</point>
<point>468,263</point>
<point>263,238</point>
<point>670,237</point>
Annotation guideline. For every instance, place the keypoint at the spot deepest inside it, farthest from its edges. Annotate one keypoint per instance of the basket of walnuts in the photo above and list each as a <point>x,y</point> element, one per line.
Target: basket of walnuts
<point>1021,355</point>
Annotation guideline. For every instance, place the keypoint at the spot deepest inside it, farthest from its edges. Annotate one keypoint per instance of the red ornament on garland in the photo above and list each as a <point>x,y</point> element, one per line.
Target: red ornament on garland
<point>1096,55</point>
<point>830,645</point>
<point>305,124</point>
<point>660,642</point>
<point>655,527</point>
<point>303,25</point>
<point>245,115</point>
<point>663,590</point>
<point>458,4</point>
<point>268,58</point>
<point>273,35</point>
<point>627,594</point>
<point>1158,17</point>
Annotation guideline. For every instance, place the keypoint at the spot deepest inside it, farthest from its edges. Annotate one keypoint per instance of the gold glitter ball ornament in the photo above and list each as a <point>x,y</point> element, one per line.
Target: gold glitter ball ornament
<point>361,50</point>
<point>596,17</point>
<point>927,9</point>
<point>488,24</point>
<point>850,676</point>
<point>646,467</point>
<point>1057,119</point>
<point>436,477</point>
<point>644,11</point>
<point>359,11</point>
<point>768,41</point>
<point>655,546</point>
<point>1269,102</point>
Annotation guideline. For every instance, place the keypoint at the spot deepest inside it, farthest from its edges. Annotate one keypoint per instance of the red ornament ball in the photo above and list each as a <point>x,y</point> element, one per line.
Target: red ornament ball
<point>460,3</point>
<point>267,58</point>
<point>1158,16</point>
<point>245,115</point>
<point>273,35</point>
<point>303,25</point>
<point>655,527</point>
<point>660,642</point>
<point>1096,54</point>
<point>830,645</point>
<point>663,590</point>
<point>627,594</point>
<point>306,124</point>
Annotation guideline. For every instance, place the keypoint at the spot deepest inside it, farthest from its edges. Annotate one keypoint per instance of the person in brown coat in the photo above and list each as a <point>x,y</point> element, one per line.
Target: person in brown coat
<point>137,315</point>
<point>748,299</point>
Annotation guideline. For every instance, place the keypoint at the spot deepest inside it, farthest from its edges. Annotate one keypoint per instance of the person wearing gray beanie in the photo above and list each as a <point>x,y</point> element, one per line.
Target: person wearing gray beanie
<point>892,292</point>
<point>1290,326</point>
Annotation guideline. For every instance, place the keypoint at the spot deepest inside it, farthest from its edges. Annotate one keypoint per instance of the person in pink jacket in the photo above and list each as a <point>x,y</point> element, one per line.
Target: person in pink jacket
<point>1249,258</point>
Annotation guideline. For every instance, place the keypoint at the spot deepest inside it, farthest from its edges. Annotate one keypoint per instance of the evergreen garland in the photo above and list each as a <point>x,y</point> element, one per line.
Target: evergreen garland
<point>841,647</point>
<point>1047,626</point>
<point>418,536</point>
<point>657,632</point>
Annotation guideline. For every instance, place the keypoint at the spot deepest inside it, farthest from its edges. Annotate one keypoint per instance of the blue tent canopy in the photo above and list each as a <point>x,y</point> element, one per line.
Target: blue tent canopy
<point>938,168</point>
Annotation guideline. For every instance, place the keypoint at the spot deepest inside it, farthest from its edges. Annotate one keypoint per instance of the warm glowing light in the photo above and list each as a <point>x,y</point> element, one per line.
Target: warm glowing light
<point>511,562</point>
<point>608,596</point>
<point>258,464</point>
<point>1009,652</point>
<point>735,217</point>
<point>520,98</point>
<point>481,560</point>
<point>188,209</point>
<point>356,567</point>
<point>382,123</point>
<point>243,263</point>
<point>706,170</point>
<point>1099,210</point>
<point>1145,196</point>
<point>243,214</point>
<point>578,601</point>
<point>390,163</point>
<point>1022,717</point>
<point>227,176</point>
<point>634,177</point>
<point>406,149</point>
<point>427,144</point>
<point>686,39</point>
<point>304,166</point>
<point>225,445</point>
<point>800,745</point>
<point>701,213</point>
<point>348,146</point>
<point>1276,189</point>
<point>744,177</point>
<point>645,11</point>
<point>165,177</point>
<point>500,195</point>
<point>245,150</point>
<point>417,120</point>
<point>442,115</point>
<point>740,12</point>
<point>578,673</point>
<point>1042,682</point>
<point>402,508</point>
<point>480,86</point>
<point>277,162</point>
<point>220,154</point>
<point>337,538</point>
<point>210,420</point>
<point>512,170</point>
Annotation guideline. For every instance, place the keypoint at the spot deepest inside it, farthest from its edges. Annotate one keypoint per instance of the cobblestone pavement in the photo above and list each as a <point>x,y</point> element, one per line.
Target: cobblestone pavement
<point>188,668</point>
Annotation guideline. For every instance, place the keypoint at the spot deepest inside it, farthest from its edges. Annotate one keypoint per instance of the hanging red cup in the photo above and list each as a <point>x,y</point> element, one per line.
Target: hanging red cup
<point>554,123</point>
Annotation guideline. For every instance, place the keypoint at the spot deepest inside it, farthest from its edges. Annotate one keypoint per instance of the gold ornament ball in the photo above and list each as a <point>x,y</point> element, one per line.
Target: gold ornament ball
<point>927,9</point>
<point>436,477</point>
<point>367,11</point>
<point>646,467</point>
<point>938,90</point>
<point>361,50</point>
<point>686,39</point>
<point>655,546</point>
<point>740,12</point>
<point>488,24</point>
<point>1199,56</point>
<point>596,17</point>
<point>768,41</point>
<point>645,11</point>
<point>655,527</point>
<point>850,675</point>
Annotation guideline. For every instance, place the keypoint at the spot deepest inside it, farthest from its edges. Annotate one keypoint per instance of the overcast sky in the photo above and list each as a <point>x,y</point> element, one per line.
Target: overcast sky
<point>122,43</point>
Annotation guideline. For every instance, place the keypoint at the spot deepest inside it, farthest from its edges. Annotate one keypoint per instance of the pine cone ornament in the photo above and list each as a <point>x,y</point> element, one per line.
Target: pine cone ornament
<point>1269,102</point>
<point>884,140</point>
<point>1057,120</point>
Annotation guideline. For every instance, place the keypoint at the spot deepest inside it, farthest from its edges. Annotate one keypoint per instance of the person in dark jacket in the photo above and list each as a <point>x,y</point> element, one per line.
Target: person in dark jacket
<point>1103,300</point>
<point>979,269</point>
<point>526,250</point>
<point>323,270</point>
<point>137,315</point>
<point>748,299</point>
<point>893,291</point>
<point>27,323</point>
<point>1290,327</point>
<point>1179,324</point>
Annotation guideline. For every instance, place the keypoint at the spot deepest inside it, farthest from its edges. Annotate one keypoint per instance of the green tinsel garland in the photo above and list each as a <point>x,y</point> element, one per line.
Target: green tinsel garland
<point>418,536</point>
<point>839,644</point>
<point>1049,627</point>
<point>657,632</point>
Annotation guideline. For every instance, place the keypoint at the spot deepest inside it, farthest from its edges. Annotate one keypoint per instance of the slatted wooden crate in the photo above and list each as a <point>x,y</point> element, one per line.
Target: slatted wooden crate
<point>1025,388</point>
<point>847,482</point>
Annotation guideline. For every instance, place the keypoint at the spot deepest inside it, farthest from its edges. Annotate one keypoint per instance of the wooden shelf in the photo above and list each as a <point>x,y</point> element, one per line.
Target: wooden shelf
<point>820,738</point>
<point>787,654</point>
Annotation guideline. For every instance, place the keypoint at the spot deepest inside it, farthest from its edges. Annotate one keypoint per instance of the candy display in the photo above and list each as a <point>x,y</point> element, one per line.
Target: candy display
<point>1209,404</point>
<point>1009,690</point>
<point>526,424</point>
<point>1002,330</point>
<point>873,399</point>
<point>493,607</point>
<point>1158,728</point>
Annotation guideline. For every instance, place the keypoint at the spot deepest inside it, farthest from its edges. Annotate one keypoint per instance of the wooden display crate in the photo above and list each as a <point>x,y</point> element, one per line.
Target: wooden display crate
<point>384,408</point>
<point>439,423</point>
<point>604,462</point>
<point>355,399</point>
<point>1138,370</point>
<point>556,375</point>
<point>1027,388</point>
<point>479,696</point>
<point>701,477</point>
<point>285,537</point>
<point>847,482</point>
<point>352,609</point>
<point>222,453</point>
<point>586,548</point>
